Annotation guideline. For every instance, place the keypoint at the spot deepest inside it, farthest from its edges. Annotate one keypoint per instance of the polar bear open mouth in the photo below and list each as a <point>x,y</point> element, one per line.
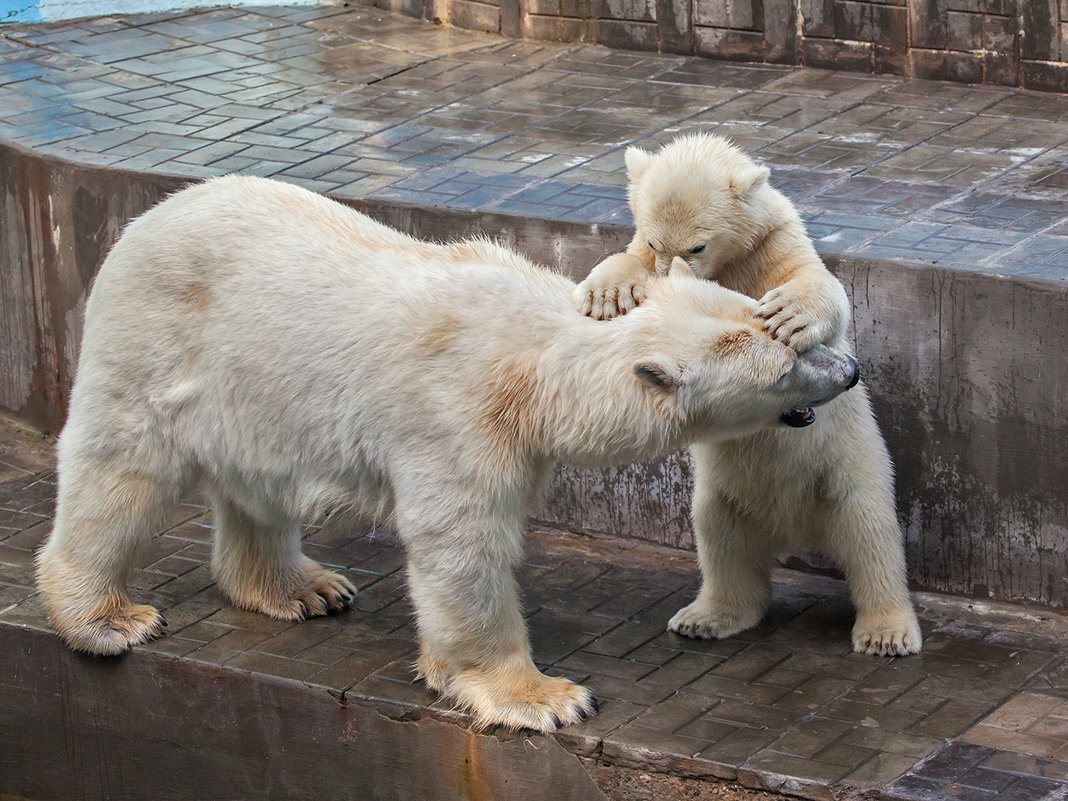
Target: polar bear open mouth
<point>799,418</point>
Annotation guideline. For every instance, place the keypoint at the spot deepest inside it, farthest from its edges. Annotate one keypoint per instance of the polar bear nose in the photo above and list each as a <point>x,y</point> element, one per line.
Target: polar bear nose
<point>817,376</point>
<point>856,372</point>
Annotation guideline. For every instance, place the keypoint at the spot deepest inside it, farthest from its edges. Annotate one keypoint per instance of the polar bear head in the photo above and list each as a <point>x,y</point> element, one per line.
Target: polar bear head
<point>710,359</point>
<point>698,197</point>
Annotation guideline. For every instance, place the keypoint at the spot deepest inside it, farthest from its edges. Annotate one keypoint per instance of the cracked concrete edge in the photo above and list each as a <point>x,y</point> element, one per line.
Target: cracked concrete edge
<point>252,736</point>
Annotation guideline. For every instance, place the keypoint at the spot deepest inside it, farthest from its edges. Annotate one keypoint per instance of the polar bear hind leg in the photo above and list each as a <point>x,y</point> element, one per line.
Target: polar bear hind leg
<point>735,567</point>
<point>862,536</point>
<point>259,566</point>
<point>105,511</point>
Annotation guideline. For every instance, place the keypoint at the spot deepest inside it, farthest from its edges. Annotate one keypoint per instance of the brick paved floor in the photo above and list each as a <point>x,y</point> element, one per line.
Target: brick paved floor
<point>981,714</point>
<point>360,103</point>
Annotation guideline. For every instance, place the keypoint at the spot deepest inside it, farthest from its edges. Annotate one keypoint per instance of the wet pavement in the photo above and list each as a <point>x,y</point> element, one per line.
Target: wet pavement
<point>981,714</point>
<point>360,103</point>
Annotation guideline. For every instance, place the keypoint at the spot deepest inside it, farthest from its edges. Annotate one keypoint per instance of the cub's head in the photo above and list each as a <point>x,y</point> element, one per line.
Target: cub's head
<point>697,197</point>
<point>710,363</point>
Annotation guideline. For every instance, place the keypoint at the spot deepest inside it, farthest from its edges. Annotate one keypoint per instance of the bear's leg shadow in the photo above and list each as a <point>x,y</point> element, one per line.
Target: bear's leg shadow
<point>473,640</point>
<point>862,536</point>
<point>259,565</point>
<point>105,510</point>
<point>735,554</point>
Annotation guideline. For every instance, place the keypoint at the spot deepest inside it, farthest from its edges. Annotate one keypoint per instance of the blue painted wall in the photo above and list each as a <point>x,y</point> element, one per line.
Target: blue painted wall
<point>53,10</point>
<point>20,11</point>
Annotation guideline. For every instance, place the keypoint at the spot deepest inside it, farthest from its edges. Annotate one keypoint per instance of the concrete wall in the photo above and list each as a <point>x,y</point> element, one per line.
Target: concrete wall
<point>968,372</point>
<point>146,726</point>
<point>971,41</point>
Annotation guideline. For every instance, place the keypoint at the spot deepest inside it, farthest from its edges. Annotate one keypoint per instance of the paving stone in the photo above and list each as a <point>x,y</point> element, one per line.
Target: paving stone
<point>902,153</point>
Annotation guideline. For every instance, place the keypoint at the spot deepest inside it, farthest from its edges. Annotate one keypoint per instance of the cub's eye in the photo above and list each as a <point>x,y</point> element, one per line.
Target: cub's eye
<point>650,244</point>
<point>697,249</point>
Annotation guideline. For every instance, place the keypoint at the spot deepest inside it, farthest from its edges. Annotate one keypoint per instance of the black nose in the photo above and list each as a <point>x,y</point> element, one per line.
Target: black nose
<point>856,372</point>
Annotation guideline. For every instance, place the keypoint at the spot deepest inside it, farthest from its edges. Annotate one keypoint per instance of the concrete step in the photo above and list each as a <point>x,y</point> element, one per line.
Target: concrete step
<point>941,207</point>
<point>231,704</point>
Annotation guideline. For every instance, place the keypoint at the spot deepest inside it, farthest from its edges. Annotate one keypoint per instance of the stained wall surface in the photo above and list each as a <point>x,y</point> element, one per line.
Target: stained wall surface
<point>1003,42</point>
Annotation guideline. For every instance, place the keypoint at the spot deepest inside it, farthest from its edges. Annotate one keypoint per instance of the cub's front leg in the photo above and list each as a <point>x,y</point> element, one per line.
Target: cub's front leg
<point>808,309</point>
<point>473,639</point>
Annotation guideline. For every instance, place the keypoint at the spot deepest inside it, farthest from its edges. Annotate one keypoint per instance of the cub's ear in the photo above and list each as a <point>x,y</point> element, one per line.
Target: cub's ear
<point>637,161</point>
<point>680,268</point>
<point>660,372</point>
<point>749,179</point>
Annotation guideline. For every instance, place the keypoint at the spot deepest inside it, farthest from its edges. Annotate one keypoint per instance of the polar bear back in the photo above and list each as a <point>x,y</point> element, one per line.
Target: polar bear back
<point>243,307</point>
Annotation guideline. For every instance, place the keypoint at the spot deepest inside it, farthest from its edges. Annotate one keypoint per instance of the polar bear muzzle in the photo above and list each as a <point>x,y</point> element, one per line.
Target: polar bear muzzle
<point>826,373</point>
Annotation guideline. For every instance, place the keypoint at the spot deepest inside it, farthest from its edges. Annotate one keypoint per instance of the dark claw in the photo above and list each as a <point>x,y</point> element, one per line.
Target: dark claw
<point>557,723</point>
<point>163,621</point>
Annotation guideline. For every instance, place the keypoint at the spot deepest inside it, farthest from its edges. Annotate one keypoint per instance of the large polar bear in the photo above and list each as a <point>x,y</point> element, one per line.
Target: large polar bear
<point>293,356</point>
<point>704,200</point>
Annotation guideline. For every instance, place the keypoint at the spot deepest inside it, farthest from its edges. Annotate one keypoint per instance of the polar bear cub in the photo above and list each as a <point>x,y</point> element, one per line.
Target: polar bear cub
<point>293,356</point>
<point>829,487</point>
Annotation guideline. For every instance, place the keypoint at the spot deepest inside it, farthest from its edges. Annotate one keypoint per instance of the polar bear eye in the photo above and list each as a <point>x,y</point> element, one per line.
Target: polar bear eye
<point>697,249</point>
<point>650,244</point>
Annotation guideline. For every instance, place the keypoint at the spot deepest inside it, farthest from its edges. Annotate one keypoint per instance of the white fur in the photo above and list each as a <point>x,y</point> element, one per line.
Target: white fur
<point>294,356</point>
<point>829,486</point>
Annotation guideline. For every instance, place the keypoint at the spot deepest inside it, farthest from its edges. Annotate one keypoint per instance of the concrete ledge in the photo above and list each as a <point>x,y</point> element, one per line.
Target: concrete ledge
<point>155,726</point>
<point>968,373</point>
<point>230,704</point>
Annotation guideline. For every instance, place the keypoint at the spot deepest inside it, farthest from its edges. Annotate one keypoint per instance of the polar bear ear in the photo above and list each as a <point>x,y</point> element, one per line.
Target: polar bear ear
<point>749,179</point>
<point>660,372</point>
<point>637,161</point>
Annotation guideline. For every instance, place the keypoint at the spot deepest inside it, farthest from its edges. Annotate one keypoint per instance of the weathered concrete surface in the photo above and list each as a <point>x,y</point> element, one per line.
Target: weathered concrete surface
<point>153,726</point>
<point>1014,42</point>
<point>968,372</point>
<point>58,223</point>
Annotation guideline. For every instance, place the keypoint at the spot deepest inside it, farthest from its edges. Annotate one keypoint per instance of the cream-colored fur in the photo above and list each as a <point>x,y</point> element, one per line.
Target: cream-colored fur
<point>293,356</point>
<point>829,486</point>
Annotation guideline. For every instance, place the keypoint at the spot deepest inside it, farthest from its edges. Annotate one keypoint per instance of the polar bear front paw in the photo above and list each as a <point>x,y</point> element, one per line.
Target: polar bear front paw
<point>709,621</point>
<point>521,699</point>
<point>888,635</point>
<point>613,287</point>
<point>797,322</point>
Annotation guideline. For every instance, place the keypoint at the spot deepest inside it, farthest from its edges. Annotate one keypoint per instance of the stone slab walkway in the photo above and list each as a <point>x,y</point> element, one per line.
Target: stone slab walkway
<point>981,714</point>
<point>360,103</point>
